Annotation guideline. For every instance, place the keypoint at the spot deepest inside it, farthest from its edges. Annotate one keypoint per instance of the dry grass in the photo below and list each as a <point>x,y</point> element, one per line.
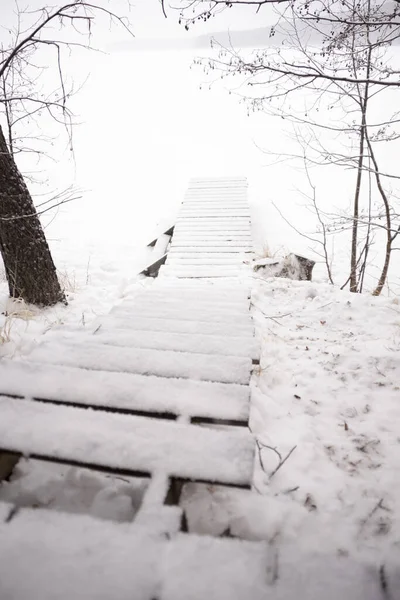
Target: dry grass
<point>5,331</point>
<point>267,252</point>
<point>68,281</point>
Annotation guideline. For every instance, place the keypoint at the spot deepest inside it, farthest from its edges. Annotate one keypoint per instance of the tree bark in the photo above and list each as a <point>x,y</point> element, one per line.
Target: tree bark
<point>29,267</point>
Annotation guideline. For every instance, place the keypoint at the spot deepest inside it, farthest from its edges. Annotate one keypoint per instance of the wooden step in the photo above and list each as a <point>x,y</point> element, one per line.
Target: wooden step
<point>203,273</point>
<point>181,342</point>
<point>140,323</point>
<point>208,300</point>
<point>125,391</point>
<point>50,555</point>
<point>215,243</point>
<point>177,259</point>
<point>194,312</point>
<point>218,298</point>
<point>125,442</point>
<point>216,234</point>
<point>161,363</point>
<point>215,204</point>
<point>211,227</point>
<point>209,249</point>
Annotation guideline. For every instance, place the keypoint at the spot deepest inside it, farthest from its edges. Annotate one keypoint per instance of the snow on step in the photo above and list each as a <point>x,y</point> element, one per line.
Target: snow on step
<point>213,290</point>
<point>237,256</point>
<point>209,249</point>
<point>196,223</point>
<point>50,555</point>
<point>176,325</point>
<point>171,295</point>
<point>223,212</point>
<point>217,220</point>
<point>189,299</point>
<point>194,273</point>
<point>102,560</point>
<point>224,191</point>
<point>204,205</point>
<point>220,190</point>
<point>238,244</point>
<point>126,442</point>
<point>183,312</point>
<point>217,260</point>
<point>197,227</point>
<point>222,287</point>
<point>213,235</point>
<point>162,363</point>
<point>206,224</point>
<point>124,390</point>
<point>214,212</point>
<point>181,342</point>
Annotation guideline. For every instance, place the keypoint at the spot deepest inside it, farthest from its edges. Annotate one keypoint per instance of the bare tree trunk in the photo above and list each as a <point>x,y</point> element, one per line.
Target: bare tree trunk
<point>29,267</point>
<point>354,235</point>
<point>386,204</point>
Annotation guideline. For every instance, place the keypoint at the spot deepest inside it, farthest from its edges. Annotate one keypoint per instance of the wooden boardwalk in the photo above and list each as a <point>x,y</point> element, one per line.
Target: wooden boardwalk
<point>212,232</point>
<point>158,389</point>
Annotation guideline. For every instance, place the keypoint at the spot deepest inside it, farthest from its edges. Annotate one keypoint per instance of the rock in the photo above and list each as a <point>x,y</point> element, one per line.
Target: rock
<point>292,266</point>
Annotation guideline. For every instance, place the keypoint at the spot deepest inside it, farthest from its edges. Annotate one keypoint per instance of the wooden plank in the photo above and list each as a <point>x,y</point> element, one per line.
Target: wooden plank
<point>213,232</point>
<point>152,323</point>
<point>153,269</point>
<point>126,391</point>
<point>181,342</point>
<point>193,274</point>
<point>207,237</point>
<point>225,213</point>
<point>221,224</point>
<point>51,555</point>
<point>221,186</point>
<point>215,243</point>
<point>198,226</point>
<point>202,203</point>
<point>206,202</point>
<point>161,363</point>
<point>126,442</point>
<point>200,306</point>
<point>217,218</point>
<point>198,232</point>
<point>239,257</point>
<point>228,314</point>
<point>221,189</point>
<point>213,212</point>
<point>200,260</point>
<point>220,207</point>
<point>209,249</point>
<point>218,299</point>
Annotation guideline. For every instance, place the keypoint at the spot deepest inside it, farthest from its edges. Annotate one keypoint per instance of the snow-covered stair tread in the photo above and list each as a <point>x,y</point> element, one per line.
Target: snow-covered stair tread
<point>141,323</point>
<point>180,342</point>
<point>183,342</point>
<point>126,442</point>
<point>187,295</point>
<point>189,313</point>
<point>126,391</point>
<point>201,272</point>
<point>162,363</point>
<point>82,557</point>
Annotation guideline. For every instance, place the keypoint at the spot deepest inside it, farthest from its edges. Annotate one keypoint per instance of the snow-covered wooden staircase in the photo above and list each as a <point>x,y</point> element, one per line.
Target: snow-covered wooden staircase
<point>212,233</point>
<point>158,389</point>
